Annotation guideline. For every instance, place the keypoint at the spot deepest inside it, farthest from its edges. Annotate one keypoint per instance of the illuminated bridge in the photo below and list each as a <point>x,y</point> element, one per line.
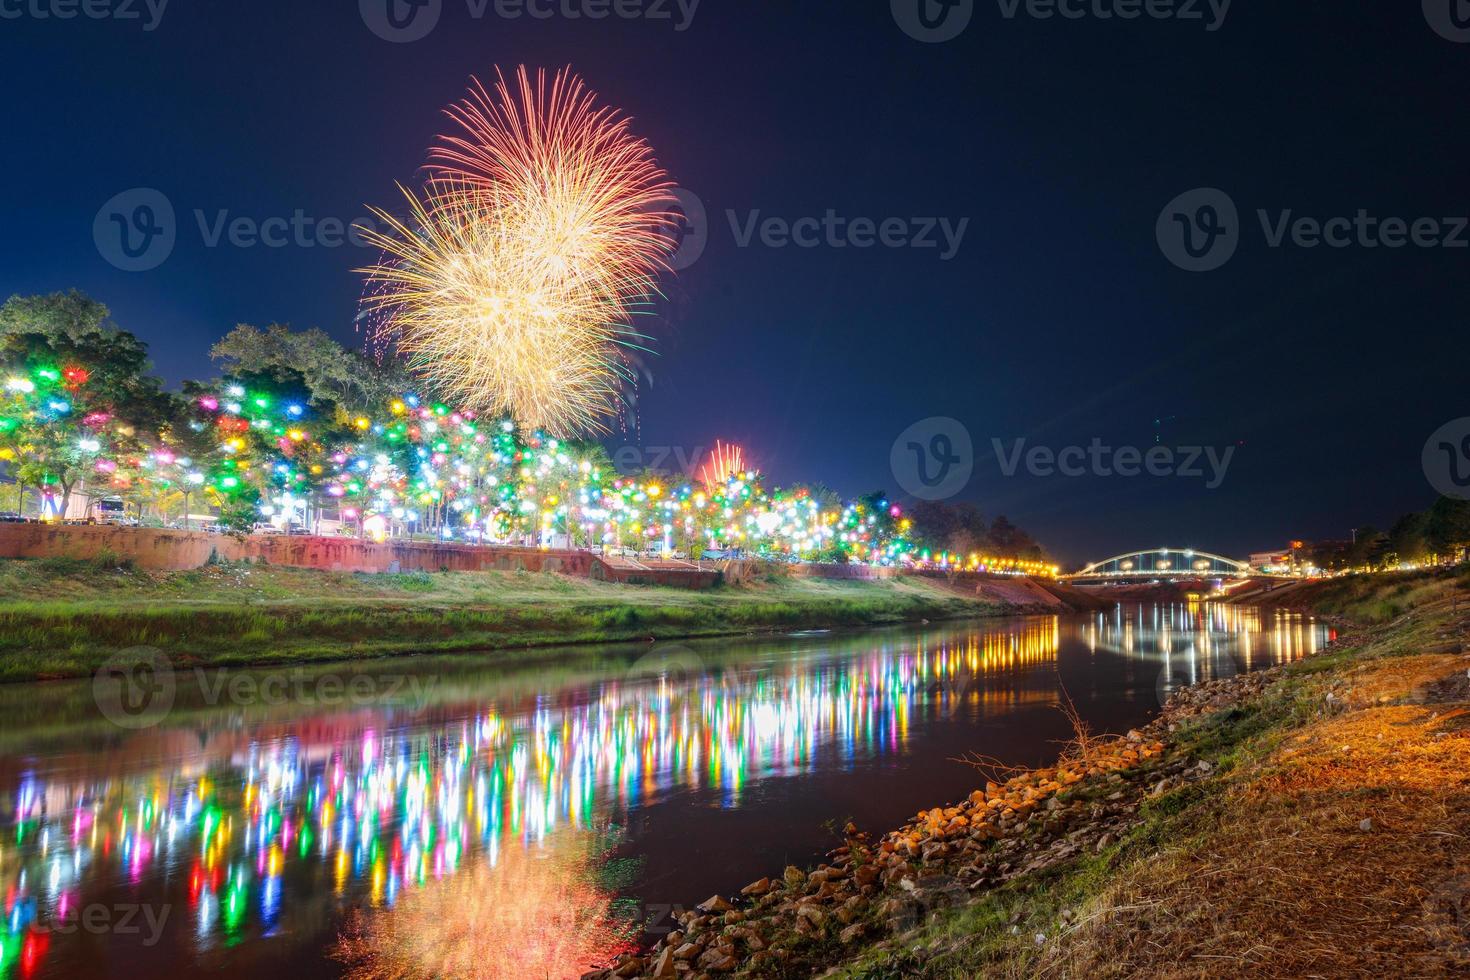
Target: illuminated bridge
<point>1165,563</point>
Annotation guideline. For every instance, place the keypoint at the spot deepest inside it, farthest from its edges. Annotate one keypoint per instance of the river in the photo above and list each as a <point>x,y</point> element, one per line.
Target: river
<point>240,823</point>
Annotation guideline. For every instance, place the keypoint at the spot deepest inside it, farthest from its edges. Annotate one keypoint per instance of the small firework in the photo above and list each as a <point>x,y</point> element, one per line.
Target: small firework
<point>724,464</point>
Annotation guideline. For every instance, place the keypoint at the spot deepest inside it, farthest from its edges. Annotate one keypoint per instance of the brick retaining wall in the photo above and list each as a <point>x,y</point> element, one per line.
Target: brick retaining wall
<point>161,550</point>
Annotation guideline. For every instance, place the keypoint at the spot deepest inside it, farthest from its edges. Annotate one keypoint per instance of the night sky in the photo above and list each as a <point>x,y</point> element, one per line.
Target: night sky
<point>1059,320</point>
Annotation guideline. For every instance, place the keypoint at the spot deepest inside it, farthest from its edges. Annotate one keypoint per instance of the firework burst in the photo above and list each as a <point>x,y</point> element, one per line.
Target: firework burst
<point>725,463</point>
<point>512,283</point>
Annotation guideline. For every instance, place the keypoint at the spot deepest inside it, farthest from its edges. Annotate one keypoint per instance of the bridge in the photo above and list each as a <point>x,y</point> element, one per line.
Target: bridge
<point>1162,563</point>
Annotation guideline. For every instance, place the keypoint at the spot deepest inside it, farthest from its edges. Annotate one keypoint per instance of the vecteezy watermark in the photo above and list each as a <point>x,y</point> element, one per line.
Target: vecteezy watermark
<point>1175,674</point>
<point>933,21</point>
<point>685,224</point>
<point>1207,463</point>
<point>95,919</point>
<point>1210,13</point>
<point>314,689</point>
<point>936,21</point>
<point>1447,915</point>
<point>668,663</point>
<point>401,21</point>
<point>137,688</point>
<point>405,21</point>
<point>137,230</point>
<point>1446,459</point>
<point>1200,230</point>
<point>832,230</point>
<point>933,459</point>
<point>665,461</point>
<point>148,13</point>
<point>1450,19</point>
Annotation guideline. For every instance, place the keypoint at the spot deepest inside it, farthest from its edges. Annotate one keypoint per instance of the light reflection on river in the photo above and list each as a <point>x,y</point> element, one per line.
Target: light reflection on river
<point>247,831</point>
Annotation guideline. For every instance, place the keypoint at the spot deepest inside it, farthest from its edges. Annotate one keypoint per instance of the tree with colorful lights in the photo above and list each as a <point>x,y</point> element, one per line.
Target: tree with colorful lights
<point>298,428</point>
<point>78,401</point>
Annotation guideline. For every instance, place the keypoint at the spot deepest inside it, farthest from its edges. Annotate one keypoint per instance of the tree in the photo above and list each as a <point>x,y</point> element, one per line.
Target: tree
<point>1368,548</point>
<point>1447,526</point>
<point>78,397</point>
<point>72,315</point>
<point>329,371</point>
<point>270,436</point>
<point>1407,540</point>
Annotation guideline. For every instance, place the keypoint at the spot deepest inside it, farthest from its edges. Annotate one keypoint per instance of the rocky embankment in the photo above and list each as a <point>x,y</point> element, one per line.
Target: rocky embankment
<point>873,892</point>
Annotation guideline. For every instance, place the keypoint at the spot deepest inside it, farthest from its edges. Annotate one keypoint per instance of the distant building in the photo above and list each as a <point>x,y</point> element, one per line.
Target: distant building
<point>1294,559</point>
<point>1271,562</point>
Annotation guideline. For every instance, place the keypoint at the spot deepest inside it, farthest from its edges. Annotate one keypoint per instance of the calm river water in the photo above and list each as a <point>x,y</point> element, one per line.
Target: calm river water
<point>235,824</point>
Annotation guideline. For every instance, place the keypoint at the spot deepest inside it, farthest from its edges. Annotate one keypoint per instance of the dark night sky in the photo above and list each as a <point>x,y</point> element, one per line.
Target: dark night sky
<point>1059,320</point>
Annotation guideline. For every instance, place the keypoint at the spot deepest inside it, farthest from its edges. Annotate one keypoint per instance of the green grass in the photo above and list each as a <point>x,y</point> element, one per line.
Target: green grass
<point>63,617</point>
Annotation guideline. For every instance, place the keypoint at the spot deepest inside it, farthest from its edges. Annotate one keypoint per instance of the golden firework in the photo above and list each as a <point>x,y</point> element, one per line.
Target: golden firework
<point>511,283</point>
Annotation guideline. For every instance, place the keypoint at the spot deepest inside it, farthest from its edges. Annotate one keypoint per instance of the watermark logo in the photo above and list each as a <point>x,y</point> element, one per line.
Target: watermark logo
<point>833,230</point>
<point>1199,230</point>
<point>315,689</point>
<point>666,461</point>
<point>136,230</point>
<point>1447,916</point>
<point>149,13</point>
<point>933,21</point>
<point>405,21</point>
<point>1211,13</point>
<point>1446,459</point>
<point>1450,19</point>
<point>933,459</point>
<point>1098,459</point>
<point>401,21</point>
<point>687,228</point>
<point>919,899</point>
<point>95,919</point>
<point>135,688</point>
<point>668,663</point>
<point>1174,676</point>
<point>937,21</point>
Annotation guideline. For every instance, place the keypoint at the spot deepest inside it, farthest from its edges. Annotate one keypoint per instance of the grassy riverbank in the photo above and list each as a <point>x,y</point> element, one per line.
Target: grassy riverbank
<point>62,618</point>
<point>1311,820</point>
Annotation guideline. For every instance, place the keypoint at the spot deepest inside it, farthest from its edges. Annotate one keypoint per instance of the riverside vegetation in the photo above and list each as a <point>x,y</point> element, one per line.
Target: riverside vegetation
<point>1310,819</point>
<point>65,617</point>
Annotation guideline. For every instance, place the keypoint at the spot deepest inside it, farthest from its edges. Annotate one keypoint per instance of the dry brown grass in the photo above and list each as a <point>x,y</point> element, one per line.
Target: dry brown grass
<point>1084,751</point>
<point>1288,880</point>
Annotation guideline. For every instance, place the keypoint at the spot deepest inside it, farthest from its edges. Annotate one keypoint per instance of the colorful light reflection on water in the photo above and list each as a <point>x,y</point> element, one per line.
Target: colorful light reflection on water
<point>273,831</point>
